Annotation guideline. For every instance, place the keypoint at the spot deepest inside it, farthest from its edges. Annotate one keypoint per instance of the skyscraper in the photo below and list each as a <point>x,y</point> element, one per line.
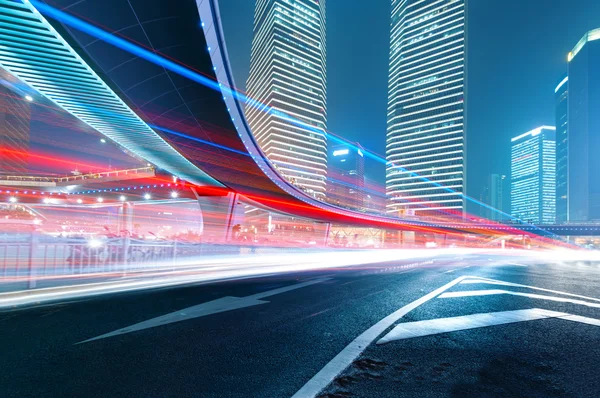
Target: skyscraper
<point>493,196</point>
<point>288,74</point>
<point>562,154</point>
<point>426,107</point>
<point>346,185</point>
<point>533,176</point>
<point>14,132</point>
<point>583,179</point>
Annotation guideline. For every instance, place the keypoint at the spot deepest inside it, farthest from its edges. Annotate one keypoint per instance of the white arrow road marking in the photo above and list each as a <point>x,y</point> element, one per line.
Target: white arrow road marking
<point>212,307</point>
<point>444,325</point>
<point>473,293</point>
<point>342,360</point>
<point>502,283</point>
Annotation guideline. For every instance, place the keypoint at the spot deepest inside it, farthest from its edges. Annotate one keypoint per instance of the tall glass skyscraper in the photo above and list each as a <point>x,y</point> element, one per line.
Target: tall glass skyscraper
<point>583,179</point>
<point>346,186</point>
<point>288,74</point>
<point>562,150</point>
<point>533,176</point>
<point>426,107</point>
<point>493,196</point>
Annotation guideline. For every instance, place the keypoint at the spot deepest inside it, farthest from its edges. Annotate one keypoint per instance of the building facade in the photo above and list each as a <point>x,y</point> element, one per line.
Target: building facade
<point>583,163</point>
<point>561,95</point>
<point>533,176</point>
<point>346,177</point>
<point>426,127</point>
<point>288,82</point>
<point>15,115</point>
<point>493,196</point>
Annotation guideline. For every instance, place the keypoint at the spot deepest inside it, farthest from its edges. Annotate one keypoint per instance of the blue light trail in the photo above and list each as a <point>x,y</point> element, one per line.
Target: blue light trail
<point>150,56</point>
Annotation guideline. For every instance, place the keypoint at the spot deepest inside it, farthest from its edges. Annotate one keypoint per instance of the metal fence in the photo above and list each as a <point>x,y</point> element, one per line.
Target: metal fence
<point>30,256</point>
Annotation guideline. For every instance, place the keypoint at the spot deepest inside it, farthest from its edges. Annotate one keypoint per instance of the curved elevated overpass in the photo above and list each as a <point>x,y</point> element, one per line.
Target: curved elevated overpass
<point>177,79</point>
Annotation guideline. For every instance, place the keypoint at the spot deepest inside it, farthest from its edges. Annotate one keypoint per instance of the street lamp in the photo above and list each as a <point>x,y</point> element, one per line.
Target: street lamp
<point>12,199</point>
<point>29,98</point>
<point>100,200</point>
<point>147,196</point>
<point>79,201</point>
<point>122,198</point>
<point>174,195</point>
<point>102,140</point>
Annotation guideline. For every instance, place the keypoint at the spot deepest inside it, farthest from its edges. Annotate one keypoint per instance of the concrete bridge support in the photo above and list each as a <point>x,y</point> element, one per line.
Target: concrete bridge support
<point>220,214</point>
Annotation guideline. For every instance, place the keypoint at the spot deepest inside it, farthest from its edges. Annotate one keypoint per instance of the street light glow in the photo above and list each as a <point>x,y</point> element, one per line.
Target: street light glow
<point>29,98</point>
<point>174,195</point>
<point>122,198</point>
<point>100,200</point>
<point>12,199</point>
<point>147,196</point>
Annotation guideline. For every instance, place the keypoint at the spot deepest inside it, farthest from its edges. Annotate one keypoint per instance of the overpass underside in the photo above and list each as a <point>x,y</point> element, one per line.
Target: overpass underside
<point>157,80</point>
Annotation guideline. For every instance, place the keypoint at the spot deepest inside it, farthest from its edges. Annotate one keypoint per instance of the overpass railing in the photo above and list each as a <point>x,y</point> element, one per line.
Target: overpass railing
<point>6,179</point>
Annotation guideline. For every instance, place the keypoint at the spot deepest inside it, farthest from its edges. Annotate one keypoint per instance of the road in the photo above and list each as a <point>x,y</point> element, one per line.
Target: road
<point>477,325</point>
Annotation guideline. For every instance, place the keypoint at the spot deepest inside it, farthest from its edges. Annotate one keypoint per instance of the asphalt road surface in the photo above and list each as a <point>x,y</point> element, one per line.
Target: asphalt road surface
<point>477,325</point>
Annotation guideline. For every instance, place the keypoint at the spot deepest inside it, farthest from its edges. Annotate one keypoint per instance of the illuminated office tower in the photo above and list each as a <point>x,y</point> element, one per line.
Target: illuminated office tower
<point>425,145</point>
<point>533,176</point>
<point>583,163</point>
<point>561,94</point>
<point>493,196</point>
<point>346,186</point>
<point>14,132</point>
<point>288,77</point>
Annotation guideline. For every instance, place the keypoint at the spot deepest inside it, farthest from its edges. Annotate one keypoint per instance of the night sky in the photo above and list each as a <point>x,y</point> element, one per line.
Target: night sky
<point>516,55</point>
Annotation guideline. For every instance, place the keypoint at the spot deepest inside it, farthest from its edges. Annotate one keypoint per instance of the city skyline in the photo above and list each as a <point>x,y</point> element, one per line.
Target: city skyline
<point>525,90</point>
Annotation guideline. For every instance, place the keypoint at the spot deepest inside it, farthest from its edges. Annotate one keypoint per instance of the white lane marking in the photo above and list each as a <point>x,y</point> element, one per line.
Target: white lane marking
<point>211,307</point>
<point>342,360</point>
<point>582,319</point>
<point>473,293</point>
<point>444,325</point>
<point>502,283</point>
<point>456,269</point>
<point>518,265</point>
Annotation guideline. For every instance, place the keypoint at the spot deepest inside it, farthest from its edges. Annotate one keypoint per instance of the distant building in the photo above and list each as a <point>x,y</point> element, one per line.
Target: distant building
<point>562,154</point>
<point>493,196</point>
<point>288,74</point>
<point>533,176</point>
<point>15,116</point>
<point>346,184</point>
<point>426,114</point>
<point>583,163</point>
